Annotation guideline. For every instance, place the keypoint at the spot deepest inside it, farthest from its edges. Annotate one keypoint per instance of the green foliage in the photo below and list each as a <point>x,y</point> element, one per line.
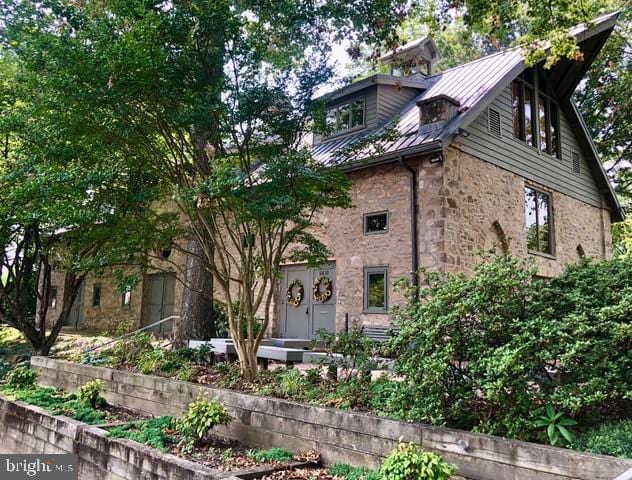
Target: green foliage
<point>292,383</point>
<point>349,352</point>
<point>55,401</point>
<point>130,351</point>
<point>348,472</point>
<point>13,349</point>
<point>271,455</point>
<point>202,416</point>
<point>409,461</point>
<point>556,424</point>
<point>482,352</point>
<point>149,432</point>
<point>230,374</point>
<point>89,395</point>
<point>608,439</point>
<point>22,377</point>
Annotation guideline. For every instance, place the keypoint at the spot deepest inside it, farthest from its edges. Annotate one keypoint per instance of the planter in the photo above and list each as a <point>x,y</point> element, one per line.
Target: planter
<point>340,436</point>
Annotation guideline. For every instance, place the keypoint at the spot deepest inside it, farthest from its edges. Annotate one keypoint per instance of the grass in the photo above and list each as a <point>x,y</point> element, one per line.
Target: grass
<point>13,349</point>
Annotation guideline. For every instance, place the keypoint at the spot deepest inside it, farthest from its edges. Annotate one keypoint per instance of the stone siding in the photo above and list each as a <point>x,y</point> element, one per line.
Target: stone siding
<point>484,203</point>
<point>340,436</point>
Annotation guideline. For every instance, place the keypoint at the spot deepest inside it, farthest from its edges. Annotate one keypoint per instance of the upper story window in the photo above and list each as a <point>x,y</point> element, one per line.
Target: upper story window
<point>376,223</point>
<point>536,119</point>
<point>537,206</point>
<point>346,116</point>
<point>96,296</point>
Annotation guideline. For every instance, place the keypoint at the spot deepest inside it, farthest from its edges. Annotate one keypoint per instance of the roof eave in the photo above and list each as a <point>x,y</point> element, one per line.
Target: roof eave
<point>423,149</point>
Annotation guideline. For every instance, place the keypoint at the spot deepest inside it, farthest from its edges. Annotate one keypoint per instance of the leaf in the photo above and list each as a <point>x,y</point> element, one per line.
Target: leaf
<point>565,433</point>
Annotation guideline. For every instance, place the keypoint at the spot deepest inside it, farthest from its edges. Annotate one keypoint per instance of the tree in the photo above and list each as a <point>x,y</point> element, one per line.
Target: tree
<point>57,211</point>
<point>177,84</point>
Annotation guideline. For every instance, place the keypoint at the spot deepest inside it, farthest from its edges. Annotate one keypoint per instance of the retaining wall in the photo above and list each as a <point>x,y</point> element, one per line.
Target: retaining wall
<point>338,435</point>
<point>28,429</point>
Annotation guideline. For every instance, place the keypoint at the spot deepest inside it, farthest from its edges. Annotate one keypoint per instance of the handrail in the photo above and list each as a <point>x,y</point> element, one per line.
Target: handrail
<point>627,475</point>
<point>133,332</point>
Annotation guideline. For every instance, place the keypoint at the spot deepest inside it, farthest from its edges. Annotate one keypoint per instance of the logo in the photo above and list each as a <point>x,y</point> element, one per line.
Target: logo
<point>36,467</point>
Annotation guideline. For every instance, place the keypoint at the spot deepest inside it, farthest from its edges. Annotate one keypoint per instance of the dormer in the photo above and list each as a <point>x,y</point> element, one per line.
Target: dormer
<point>367,104</point>
<point>436,111</point>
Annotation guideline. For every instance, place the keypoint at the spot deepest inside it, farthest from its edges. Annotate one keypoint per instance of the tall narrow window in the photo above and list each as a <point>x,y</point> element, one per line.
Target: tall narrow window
<point>538,221</point>
<point>529,120</point>
<point>96,296</point>
<point>126,298</point>
<point>555,130</point>
<point>53,297</point>
<point>376,290</point>
<point>518,110</point>
<point>543,123</point>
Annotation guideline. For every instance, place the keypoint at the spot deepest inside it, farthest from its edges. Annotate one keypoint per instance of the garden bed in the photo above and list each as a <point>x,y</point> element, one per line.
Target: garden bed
<point>340,437</point>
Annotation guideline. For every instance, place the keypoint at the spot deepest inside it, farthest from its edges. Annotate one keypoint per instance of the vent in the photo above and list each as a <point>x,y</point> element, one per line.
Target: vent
<point>493,122</point>
<point>576,163</point>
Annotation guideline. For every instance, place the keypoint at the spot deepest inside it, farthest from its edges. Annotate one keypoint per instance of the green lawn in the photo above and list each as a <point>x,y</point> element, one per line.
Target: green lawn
<point>13,348</point>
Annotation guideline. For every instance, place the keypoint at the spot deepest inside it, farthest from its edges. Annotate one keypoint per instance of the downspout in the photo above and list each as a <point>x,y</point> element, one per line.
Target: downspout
<point>413,223</point>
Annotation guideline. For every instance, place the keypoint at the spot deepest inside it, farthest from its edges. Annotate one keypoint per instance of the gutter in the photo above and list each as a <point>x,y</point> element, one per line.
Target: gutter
<point>413,223</point>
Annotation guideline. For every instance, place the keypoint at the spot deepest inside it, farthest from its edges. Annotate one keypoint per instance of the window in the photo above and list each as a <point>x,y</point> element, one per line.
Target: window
<point>96,296</point>
<point>126,298</point>
<point>375,290</point>
<point>247,240</point>
<point>538,126</point>
<point>538,221</point>
<point>346,116</point>
<point>53,297</point>
<point>376,223</point>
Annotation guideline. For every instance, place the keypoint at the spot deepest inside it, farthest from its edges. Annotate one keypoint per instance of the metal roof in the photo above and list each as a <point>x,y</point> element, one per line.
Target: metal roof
<point>474,85</point>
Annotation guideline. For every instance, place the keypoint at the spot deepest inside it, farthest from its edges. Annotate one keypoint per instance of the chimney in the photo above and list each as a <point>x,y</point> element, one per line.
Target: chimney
<point>436,111</point>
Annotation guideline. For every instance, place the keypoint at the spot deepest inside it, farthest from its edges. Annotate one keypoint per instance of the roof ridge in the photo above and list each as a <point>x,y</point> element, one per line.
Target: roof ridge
<point>484,57</point>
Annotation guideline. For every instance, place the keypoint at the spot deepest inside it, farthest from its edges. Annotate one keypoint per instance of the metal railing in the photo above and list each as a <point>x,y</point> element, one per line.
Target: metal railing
<point>133,332</point>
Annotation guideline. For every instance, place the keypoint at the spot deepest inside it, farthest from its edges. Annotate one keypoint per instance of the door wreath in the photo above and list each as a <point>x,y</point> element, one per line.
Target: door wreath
<point>295,300</point>
<point>321,296</point>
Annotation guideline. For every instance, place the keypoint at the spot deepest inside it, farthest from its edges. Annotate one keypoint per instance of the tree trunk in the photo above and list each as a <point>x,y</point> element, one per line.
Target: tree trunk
<point>196,312</point>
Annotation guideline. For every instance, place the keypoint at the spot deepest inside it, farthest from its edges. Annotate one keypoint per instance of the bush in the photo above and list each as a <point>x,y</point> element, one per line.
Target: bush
<point>610,439</point>
<point>149,432</point>
<point>202,416</point>
<point>21,377</point>
<point>343,470</point>
<point>489,351</point>
<point>89,395</point>
<point>292,383</point>
<point>352,352</point>
<point>130,350</point>
<point>272,455</point>
<point>409,462</point>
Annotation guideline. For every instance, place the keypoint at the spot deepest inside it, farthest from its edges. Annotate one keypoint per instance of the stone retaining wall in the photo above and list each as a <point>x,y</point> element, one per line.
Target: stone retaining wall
<point>340,436</point>
<point>28,429</point>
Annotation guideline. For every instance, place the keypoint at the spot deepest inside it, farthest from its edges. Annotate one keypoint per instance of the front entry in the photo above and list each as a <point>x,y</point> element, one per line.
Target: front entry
<point>162,288</point>
<point>75,318</point>
<point>308,301</point>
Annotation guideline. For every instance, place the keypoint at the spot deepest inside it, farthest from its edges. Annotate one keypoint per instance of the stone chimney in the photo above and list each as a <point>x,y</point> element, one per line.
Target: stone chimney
<point>436,111</point>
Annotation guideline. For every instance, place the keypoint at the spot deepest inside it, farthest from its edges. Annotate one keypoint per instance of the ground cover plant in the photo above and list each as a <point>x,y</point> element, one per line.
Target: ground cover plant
<point>501,352</point>
<point>86,405</point>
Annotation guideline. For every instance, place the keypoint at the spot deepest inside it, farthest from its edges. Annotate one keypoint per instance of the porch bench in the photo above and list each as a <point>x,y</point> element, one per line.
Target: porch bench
<point>379,333</point>
<point>289,356</point>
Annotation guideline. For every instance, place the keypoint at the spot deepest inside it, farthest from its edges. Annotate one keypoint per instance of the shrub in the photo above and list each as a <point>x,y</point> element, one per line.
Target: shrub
<point>230,374</point>
<point>202,416</point>
<point>21,377</point>
<point>149,432</point>
<point>129,351</point>
<point>292,383</point>
<point>272,455</point>
<point>487,351</point>
<point>343,470</point>
<point>351,352</point>
<point>408,462</point>
<point>609,439</point>
<point>89,395</point>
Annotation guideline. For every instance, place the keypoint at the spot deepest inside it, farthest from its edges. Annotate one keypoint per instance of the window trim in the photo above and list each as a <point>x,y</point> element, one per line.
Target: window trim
<point>538,190</point>
<point>94,297</point>
<point>365,218</point>
<point>337,106</point>
<point>379,269</point>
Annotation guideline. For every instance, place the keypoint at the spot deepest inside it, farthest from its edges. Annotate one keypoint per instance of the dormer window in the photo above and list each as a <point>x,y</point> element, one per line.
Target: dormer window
<point>436,111</point>
<point>346,116</point>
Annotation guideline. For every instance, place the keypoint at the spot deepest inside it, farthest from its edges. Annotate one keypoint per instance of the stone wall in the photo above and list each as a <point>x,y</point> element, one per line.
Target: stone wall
<point>27,429</point>
<point>477,194</point>
<point>340,436</point>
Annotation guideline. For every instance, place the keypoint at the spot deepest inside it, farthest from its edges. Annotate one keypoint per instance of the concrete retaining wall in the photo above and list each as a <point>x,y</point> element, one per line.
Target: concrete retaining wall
<point>27,429</point>
<point>340,436</point>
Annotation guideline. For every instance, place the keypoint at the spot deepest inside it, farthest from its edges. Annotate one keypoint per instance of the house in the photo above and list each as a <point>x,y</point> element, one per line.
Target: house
<point>489,152</point>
